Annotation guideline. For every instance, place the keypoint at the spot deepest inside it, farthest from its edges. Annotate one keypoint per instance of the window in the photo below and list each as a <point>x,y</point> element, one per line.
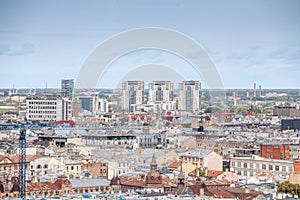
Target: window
<point>251,166</point>
<point>270,167</point>
<point>245,165</point>
<point>276,168</point>
<point>39,166</point>
<point>283,168</point>
<point>239,164</point>
<point>263,166</point>
<point>233,164</point>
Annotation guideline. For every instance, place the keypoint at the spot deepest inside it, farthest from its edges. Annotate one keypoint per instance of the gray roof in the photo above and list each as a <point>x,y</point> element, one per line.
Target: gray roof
<point>197,153</point>
<point>80,183</point>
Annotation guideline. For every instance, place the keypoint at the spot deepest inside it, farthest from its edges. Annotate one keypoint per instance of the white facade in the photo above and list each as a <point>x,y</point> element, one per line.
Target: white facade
<point>189,95</point>
<point>102,105</point>
<point>132,93</point>
<point>46,167</point>
<point>247,167</point>
<point>160,91</point>
<point>48,108</point>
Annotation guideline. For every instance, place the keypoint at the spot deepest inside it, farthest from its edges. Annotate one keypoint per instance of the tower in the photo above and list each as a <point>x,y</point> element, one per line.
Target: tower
<point>132,92</point>
<point>259,91</point>
<point>180,185</point>
<point>189,95</point>
<point>67,88</point>
<point>153,176</point>
<point>254,90</point>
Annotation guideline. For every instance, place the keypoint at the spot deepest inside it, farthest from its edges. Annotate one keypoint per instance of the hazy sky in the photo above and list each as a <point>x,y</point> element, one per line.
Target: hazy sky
<point>249,41</point>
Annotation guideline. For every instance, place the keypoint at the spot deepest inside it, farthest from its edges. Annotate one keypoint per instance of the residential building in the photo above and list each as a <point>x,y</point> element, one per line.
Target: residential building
<point>97,169</point>
<point>132,93</point>
<point>161,91</point>
<point>189,95</point>
<point>67,88</point>
<point>103,140</point>
<point>203,159</point>
<point>151,140</point>
<point>247,167</point>
<point>48,108</point>
<point>286,111</point>
<point>282,151</point>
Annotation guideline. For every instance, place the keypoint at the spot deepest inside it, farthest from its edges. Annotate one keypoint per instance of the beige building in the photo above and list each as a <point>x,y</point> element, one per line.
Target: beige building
<point>203,159</point>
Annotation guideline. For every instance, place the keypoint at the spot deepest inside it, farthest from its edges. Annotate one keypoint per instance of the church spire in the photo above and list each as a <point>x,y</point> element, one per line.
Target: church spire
<point>153,165</point>
<point>181,175</point>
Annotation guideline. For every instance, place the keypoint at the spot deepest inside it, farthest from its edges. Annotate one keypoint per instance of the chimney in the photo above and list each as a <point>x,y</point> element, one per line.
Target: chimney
<point>259,90</point>
<point>254,90</point>
<point>247,93</point>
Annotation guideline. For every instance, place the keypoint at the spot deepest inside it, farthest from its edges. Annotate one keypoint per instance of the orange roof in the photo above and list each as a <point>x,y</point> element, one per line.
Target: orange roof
<point>15,158</point>
<point>175,165</point>
<point>213,173</point>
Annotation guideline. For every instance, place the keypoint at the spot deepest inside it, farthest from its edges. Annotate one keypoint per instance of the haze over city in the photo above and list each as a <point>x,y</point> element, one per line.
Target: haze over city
<point>249,41</point>
<point>150,100</point>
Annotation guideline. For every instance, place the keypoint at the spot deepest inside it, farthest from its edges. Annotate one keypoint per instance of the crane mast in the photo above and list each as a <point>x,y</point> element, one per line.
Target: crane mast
<point>22,164</point>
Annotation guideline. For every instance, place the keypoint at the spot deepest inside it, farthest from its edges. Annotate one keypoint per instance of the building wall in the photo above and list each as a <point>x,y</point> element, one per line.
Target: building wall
<point>275,151</point>
<point>213,161</point>
<point>97,170</point>
<point>252,166</point>
<point>48,109</point>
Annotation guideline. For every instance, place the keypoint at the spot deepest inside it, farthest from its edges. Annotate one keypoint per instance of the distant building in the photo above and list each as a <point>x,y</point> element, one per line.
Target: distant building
<point>155,140</point>
<point>132,93</point>
<point>286,111</point>
<point>48,108</point>
<point>189,95</point>
<point>93,104</point>
<point>67,88</point>
<point>161,91</point>
<point>290,124</point>
<point>282,151</point>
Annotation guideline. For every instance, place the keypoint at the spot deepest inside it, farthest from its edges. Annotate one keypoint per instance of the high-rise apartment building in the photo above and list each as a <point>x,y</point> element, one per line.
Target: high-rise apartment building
<point>48,108</point>
<point>160,91</point>
<point>189,95</point>
<point>132,93</point>
<point>67,88</point>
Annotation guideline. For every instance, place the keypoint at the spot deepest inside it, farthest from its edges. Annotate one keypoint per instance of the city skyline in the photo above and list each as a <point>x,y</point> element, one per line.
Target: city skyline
<point>250,41</point>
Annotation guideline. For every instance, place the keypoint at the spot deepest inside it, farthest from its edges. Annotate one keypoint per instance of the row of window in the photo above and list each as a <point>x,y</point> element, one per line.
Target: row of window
<point>42,103</point>
<point>43,107</point>
<point>41,112</point>
<point>262,166</point>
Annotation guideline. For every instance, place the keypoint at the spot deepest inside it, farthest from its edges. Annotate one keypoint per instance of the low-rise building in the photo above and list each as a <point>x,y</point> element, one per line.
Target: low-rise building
<point>247,167</point>
<point>203,159</point>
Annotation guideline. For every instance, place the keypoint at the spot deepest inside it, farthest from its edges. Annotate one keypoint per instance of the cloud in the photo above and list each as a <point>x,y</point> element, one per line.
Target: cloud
<point>25,49</point>
<point>4,49</point>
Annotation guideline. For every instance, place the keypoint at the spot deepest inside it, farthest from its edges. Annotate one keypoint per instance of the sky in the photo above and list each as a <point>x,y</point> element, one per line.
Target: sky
<point>42,42</point>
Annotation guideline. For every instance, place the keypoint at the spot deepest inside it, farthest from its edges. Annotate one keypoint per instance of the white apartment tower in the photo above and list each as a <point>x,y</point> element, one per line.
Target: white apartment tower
<point>132,93</point>
<point>189,95</point>
<point>48,108</point>
<point>161,91</point>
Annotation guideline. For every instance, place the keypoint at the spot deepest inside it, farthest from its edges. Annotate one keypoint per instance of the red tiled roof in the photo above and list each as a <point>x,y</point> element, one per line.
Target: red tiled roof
<point>218,192</point>
<point>41,186</point>
<point>213,173</point>
<point>175,165</point>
